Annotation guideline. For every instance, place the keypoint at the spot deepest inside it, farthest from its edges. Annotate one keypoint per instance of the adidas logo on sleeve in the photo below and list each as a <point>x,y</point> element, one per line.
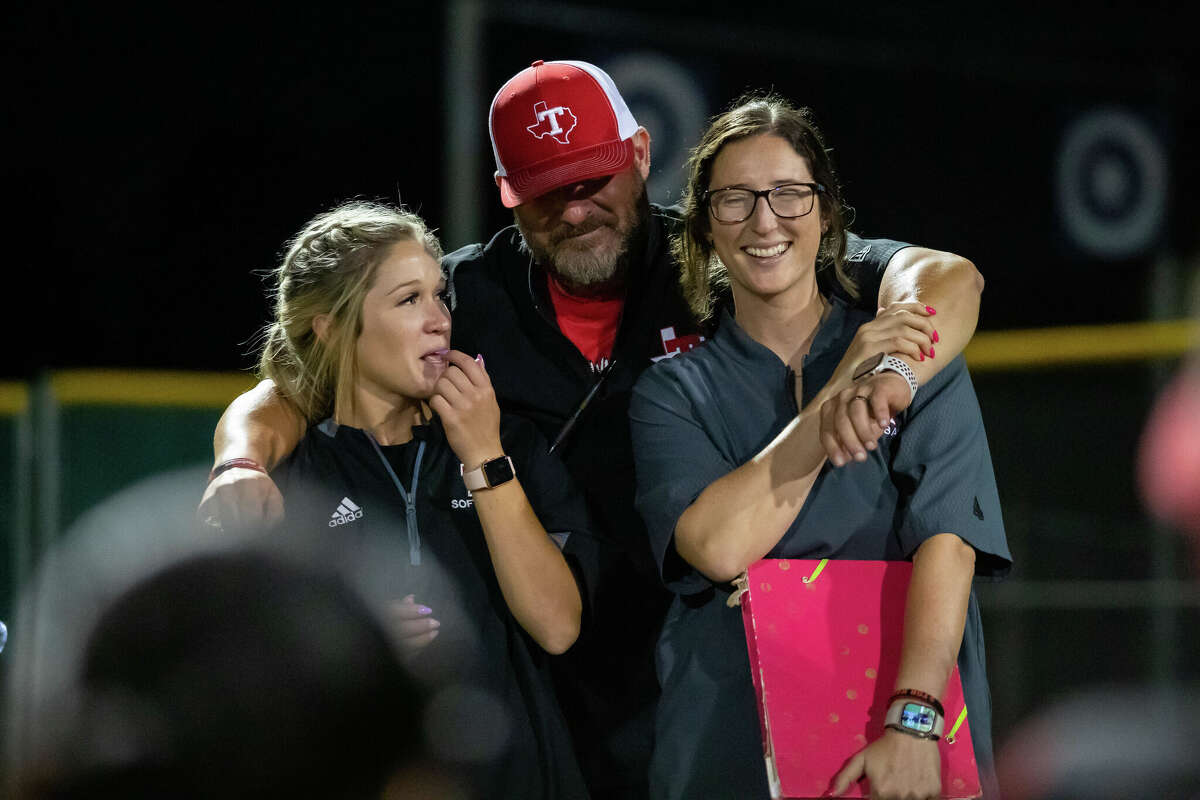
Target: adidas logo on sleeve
<point>346,512</point>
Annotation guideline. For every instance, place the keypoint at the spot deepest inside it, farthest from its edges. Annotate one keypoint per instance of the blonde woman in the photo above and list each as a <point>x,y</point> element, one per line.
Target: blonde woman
<point>406,440</point>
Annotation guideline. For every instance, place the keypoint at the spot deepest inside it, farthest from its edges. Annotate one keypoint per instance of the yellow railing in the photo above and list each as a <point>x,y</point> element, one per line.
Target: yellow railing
<point>989,351</point>
<point>148,387</point>
<point>1084,344</point>
<point>14,397</point>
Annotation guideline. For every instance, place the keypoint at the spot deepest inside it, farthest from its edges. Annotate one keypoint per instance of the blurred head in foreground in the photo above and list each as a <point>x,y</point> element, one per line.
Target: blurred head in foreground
<point>236,674</point>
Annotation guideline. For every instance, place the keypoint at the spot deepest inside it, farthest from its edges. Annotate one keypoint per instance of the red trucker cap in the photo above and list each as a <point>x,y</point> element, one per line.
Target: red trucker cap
<point>555,123</point>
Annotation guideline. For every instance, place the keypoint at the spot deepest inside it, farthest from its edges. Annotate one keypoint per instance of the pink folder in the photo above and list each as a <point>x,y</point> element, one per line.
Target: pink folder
<point>824,640</point>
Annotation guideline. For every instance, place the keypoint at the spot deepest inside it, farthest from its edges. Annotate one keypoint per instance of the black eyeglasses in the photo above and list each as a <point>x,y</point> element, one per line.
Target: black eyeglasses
<point>734,204</point>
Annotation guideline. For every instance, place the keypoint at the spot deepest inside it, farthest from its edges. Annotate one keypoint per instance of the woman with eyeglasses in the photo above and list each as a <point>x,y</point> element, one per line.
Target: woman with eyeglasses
<point>730,468</point>
<point>406,443</point>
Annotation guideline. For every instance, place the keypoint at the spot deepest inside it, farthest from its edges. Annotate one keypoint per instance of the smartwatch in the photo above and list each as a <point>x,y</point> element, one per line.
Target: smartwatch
<point>489,474</point>
<point>915,718</point>
<point>881,362</point>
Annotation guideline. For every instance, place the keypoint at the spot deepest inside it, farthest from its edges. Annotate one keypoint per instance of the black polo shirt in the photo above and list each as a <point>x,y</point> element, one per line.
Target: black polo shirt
<point>700,416</point>
<point>339,483</point>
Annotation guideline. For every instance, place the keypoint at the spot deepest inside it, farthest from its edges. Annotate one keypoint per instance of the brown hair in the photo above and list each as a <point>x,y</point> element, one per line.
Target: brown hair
<point>702,274</point>
<point>329,267</point>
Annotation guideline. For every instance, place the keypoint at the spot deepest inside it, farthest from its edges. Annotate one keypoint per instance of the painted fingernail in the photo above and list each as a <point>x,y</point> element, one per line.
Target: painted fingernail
<point>922,358</point>
<point>935,337</point>
<point>424,610</point>
<point>931,352</point>
<point>931,310</point>
<point>479,358</point>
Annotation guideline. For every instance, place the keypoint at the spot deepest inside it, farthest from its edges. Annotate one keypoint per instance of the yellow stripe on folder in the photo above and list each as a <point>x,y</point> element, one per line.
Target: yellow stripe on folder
<point>817,571</point>
<point>957,724</point>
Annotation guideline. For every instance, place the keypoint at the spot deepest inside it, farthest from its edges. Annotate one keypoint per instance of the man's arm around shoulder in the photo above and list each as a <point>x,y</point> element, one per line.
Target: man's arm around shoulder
<point>260,426</point>
<point>939,293</point>
<point>947,283</point>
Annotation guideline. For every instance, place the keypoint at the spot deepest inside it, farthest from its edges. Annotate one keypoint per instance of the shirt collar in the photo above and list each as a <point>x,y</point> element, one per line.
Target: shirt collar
<point>425,431</point>
<point>839,324</point>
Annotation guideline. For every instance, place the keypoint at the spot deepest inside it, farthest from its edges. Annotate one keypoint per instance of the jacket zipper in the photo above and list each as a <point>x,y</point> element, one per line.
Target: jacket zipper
<point>410,498</point>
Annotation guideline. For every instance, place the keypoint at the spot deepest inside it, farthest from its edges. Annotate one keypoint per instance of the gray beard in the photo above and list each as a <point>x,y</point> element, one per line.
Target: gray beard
<point>586,270</point>
<point>592,271</point>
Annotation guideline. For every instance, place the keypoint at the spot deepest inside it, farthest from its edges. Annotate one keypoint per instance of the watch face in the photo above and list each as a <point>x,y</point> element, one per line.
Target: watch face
<point>867,365</point>
<point>497,471</point>
<point>917,717</point>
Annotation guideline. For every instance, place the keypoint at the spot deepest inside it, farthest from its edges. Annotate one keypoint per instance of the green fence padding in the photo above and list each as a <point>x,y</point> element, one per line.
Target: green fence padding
<point>103,449</point>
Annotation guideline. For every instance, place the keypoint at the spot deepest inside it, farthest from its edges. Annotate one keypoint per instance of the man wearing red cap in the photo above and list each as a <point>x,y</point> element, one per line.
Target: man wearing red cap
<point>568,307</point>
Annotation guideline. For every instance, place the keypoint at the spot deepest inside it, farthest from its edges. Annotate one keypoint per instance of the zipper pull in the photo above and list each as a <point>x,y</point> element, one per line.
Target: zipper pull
<point>414,538</point>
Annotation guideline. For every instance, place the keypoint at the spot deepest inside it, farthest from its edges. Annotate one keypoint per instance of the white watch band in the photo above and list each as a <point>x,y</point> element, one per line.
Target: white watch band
<point>903,369</point>
<point>477,478</point>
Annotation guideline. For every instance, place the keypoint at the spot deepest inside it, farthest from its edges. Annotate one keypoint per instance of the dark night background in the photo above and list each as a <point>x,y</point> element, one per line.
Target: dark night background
<point>155,158</point>
<point>158,156</point>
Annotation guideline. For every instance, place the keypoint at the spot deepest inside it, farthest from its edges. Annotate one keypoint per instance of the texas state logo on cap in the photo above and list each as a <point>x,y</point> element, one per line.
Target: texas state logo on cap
<point>555,123</point>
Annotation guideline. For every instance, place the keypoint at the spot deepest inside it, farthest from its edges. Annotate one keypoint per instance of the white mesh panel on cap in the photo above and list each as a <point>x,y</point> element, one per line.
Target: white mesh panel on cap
<point>626,124</point>
<point>492,134</point>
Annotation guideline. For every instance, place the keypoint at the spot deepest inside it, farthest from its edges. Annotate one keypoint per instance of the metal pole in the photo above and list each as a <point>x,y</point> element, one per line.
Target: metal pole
<point>464,124</point>
<point>1165,293</point>
<point>47,466</point>
<point>22,523</point>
